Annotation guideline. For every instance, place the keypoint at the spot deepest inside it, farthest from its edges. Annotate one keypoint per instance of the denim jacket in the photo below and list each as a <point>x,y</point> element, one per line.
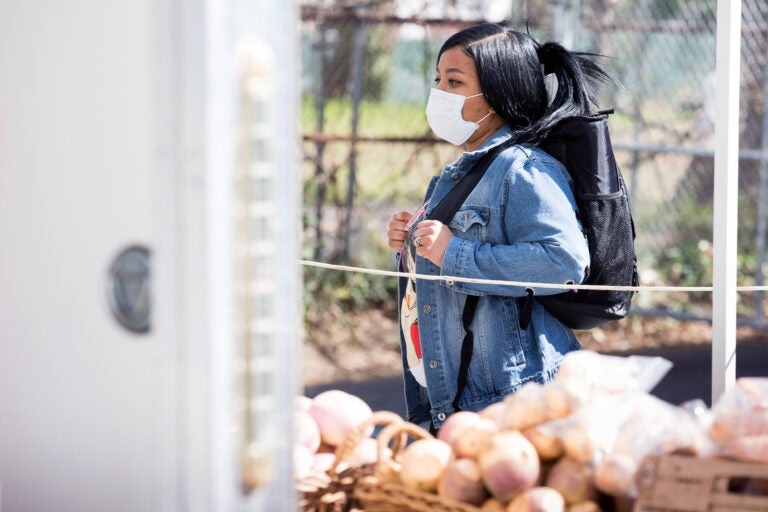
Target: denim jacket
<point>518,224</point>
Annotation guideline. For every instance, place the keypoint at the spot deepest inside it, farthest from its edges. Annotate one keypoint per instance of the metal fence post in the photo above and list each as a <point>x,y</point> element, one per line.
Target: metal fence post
<point>358,60</point>
<point>762,212</point>
<point>320,177</point>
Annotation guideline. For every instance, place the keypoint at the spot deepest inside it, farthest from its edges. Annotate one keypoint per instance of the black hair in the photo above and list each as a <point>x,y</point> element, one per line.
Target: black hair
<point>511,66</point>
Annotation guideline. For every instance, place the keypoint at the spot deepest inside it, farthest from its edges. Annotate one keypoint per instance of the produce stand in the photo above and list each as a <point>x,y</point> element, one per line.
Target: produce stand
<point>591,440</point>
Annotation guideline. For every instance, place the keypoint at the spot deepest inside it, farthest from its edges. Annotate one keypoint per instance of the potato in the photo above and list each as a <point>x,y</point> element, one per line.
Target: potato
<point>497,413</point>
<point>563,397</point>
<point>590,438</point>
<point>616,476</point>
<point>527,407</point>
<point>547,444</point>
<point>747,448</point>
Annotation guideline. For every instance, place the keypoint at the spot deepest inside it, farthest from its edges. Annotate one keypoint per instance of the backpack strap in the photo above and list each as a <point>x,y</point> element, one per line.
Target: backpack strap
<point>467,345</point>
<point>450,204</point>
<point>444,212</point>
<point>526,310</point>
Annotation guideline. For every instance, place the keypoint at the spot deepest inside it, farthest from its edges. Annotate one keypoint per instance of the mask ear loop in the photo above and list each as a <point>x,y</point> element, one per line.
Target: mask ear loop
<point>484,117</point>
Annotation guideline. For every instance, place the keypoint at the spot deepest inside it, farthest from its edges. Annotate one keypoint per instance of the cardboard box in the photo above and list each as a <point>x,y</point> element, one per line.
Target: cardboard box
<point>674,483</point>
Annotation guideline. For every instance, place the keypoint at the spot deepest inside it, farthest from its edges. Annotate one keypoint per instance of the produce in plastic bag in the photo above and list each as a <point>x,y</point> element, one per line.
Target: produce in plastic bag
<point>585,375</point>
<point>653,427</point>
<point>740,421</point>
<point>586,435</point>
<point>613,434</point>
<point>526,408</point>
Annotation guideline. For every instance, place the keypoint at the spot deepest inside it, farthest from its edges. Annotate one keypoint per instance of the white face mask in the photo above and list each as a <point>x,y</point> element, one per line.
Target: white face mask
<point>444,117</point>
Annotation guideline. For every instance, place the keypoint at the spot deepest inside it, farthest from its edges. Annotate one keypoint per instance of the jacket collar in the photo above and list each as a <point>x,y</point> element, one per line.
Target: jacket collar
<point>501,135</point>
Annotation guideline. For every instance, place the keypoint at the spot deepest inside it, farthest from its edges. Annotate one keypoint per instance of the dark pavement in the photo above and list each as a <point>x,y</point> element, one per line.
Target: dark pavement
<point>689,378</point>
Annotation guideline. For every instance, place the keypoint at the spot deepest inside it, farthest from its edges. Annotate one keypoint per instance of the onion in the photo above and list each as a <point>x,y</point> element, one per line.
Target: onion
<point>462,481</point>
<point>306,431</point>
<point>336,413</point>
<point>423,463</point>
<point>573,480</point>
<point>509,464</point>
<point>537,499</point>
<point>455,425</point>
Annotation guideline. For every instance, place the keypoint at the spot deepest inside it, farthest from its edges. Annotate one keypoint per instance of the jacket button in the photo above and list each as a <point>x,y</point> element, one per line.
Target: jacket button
<point>427,308</point>
<point>455,176</point>
<point>441,416</point>
<point>433,364</point>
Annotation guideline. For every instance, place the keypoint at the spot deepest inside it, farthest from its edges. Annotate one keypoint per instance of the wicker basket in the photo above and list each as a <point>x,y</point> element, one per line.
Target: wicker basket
<point>382,492</point>
<point>334,491</point>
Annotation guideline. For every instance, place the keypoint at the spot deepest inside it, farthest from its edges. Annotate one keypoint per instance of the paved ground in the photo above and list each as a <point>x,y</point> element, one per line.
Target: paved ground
<point>689,378</point>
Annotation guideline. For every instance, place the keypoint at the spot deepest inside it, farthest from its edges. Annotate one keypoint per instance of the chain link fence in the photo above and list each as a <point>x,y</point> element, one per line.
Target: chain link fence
<point>368,151</point>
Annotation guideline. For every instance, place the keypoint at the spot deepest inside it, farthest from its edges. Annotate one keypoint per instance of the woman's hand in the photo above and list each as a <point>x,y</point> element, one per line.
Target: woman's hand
<point>397,231</point>
<point>431,239</point>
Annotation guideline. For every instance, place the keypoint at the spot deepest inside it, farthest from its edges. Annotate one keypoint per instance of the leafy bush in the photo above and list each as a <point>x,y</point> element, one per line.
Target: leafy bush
<point>350,290</point>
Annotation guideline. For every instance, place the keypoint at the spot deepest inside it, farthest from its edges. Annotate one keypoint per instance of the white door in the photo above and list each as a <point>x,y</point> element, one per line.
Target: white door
<point>141,369</point>
<point>87,406</point>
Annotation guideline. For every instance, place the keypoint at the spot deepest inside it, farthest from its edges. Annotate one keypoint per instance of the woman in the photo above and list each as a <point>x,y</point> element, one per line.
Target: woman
<point>493,85</point>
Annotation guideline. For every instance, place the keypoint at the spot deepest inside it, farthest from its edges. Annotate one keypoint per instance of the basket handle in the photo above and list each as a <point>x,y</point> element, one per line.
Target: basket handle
<point>354,436</point>
<point>402,430</point>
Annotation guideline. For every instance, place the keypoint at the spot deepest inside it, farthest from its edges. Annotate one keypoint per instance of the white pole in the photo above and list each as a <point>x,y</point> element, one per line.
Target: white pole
<point>726,197</point>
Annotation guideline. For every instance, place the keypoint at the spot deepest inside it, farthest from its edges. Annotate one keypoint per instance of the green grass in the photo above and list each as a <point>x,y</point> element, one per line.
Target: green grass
<point>375,119</point>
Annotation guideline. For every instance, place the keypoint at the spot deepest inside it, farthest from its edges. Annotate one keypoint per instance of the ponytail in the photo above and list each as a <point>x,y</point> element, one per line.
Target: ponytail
<point>578,78</point>
<point>511,67</point>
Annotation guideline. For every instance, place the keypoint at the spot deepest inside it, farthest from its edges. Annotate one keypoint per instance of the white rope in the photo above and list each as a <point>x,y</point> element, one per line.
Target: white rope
<point>523,283</point>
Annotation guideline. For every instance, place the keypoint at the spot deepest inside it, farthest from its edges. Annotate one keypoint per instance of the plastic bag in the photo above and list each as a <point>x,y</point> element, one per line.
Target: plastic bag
<point>653,427</point>
<point>740,421</point>
<point>585,375</point>
<point>613,435</point>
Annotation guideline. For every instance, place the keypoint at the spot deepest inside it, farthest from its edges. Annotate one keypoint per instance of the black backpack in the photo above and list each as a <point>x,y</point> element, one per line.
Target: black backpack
<point>583,145</point>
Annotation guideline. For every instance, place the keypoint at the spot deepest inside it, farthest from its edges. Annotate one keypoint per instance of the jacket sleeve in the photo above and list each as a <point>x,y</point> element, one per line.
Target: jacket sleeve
<point>544,240</point>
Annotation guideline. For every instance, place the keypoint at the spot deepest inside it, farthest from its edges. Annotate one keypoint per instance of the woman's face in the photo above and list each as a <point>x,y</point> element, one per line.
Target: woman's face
<point>456,73</point>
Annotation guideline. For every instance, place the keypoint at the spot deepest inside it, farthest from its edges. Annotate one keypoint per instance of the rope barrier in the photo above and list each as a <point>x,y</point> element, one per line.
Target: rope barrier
<point>524,284</point>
